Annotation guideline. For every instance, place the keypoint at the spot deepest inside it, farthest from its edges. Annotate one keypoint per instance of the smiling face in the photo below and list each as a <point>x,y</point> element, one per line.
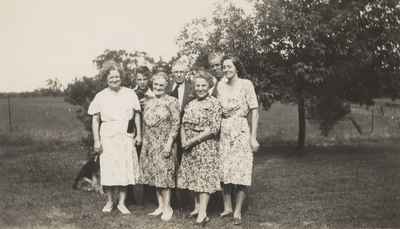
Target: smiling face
<point>229,69</point>
<point>201,87</point>
<point>159,85</point>
<point>142,81</point>
<point>114,80</point>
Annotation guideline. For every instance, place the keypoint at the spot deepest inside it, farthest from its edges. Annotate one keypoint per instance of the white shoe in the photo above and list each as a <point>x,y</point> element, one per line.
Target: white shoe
<point>156,212</point>
<point>107,208</point>
<point>123,209</point>
<point>167,215</point>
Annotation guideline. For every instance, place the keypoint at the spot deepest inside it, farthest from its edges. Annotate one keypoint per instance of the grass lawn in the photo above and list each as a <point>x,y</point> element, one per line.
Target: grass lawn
<point>328,187</point>
<point>353,184</point>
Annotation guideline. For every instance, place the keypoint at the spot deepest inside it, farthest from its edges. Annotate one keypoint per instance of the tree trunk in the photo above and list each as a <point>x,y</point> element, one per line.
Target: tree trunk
<point>301,138</point>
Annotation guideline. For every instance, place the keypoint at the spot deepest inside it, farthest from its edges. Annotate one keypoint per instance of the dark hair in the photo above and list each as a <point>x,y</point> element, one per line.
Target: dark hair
<point>241,71</point>
<point>143,70</point>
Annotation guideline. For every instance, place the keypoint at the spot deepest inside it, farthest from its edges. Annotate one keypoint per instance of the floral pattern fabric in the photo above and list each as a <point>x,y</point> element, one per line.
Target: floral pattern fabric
<point>237,155</point>
<point>160,120</point>
<point>200,169</point>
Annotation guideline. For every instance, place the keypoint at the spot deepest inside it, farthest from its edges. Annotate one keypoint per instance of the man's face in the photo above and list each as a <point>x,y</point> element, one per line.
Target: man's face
<point>216,66</point>
<point>179,74</point>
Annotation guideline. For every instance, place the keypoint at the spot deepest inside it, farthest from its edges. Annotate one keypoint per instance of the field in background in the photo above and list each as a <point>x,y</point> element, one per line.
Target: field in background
<point>52,119</point>
<point>38,120</point>
<point>353,184</point>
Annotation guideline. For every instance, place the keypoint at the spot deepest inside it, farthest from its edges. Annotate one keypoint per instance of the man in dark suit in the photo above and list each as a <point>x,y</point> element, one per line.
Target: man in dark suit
<point>215,64</point>
<point>181,89</point>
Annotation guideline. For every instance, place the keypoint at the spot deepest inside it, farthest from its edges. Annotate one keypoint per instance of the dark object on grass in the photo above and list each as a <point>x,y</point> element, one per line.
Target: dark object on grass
<point>89,174</point>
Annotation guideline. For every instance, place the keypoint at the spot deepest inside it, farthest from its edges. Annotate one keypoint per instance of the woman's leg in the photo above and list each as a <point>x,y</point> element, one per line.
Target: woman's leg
<point>168,212</point>
<point>240,196</point>
<point>121,203</point>
<point>109,203</point>
<point>227,196</point>
<point>160,201</point>
<point>196,204</point>
<point>203,203</point>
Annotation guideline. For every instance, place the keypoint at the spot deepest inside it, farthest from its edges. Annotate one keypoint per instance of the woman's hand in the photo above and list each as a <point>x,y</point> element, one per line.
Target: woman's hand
<point>97,147</point>
<point>138,141</point>
<point>254,144</point>
<point>167,151</point>
<point>188,144</point>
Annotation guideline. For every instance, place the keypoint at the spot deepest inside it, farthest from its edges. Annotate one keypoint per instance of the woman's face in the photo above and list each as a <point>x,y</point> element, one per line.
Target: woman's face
<point>114,80</point>
<point>201,87</point>
<point>229,69</point>
<point>142,81</point>
<point>159,86</point>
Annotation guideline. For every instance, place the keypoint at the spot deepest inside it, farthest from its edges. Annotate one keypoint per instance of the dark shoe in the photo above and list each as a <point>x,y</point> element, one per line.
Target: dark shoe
<point>225,214</point>
<point>237,221</point>
<point>203,222</point>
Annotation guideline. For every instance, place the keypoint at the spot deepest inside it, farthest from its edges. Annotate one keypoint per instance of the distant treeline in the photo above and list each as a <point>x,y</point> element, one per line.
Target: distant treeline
<point>35,93</point>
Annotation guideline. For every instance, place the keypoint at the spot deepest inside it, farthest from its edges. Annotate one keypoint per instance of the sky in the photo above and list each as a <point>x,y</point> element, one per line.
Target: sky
<point>44,39</point>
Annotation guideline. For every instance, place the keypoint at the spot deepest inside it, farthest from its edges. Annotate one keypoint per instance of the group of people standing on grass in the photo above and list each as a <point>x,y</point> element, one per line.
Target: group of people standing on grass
<point>192,133</point>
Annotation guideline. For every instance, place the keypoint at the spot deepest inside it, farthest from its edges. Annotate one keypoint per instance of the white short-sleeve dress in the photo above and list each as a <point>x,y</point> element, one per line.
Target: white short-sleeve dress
<point>118,160</point>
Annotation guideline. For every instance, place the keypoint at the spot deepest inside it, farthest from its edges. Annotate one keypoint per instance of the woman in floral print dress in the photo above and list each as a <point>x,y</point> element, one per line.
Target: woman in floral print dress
<point>237,140</point>
<point>158,157</point>
<point>200,169</point>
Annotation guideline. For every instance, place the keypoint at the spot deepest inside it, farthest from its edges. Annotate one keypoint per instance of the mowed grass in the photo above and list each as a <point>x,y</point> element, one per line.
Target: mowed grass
<point>353,184</point>
<point>39,119</point>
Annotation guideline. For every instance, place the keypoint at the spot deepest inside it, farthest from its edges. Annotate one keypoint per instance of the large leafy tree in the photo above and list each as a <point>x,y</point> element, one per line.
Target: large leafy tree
<point>319,54</point>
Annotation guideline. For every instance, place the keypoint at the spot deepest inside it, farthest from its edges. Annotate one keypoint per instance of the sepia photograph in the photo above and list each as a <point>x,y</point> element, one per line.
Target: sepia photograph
<point>265,114</point>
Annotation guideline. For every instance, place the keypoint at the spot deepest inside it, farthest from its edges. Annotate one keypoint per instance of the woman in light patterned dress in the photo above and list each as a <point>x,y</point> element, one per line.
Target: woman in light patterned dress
<point>237,141</point>
<point>158,157</point>
<point>200,169</point>
<point>113,107</point>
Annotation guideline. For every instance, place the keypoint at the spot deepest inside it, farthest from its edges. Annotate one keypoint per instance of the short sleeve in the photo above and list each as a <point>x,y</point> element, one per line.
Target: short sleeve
<point>94,106</point>
<point>134,101</point>
<point>251,97</point>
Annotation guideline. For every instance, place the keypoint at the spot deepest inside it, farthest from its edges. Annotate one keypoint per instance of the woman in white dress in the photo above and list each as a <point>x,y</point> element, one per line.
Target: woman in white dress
<point>111,110</point>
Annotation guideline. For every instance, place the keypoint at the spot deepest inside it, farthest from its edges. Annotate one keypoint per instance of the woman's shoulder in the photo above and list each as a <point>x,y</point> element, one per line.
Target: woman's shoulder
<point>246,82</point>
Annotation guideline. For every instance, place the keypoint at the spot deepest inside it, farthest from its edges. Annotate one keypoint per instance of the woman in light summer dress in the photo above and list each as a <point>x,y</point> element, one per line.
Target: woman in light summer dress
<point>200,169</point>
<point>111,110</point>
<point>237,141</point>
<point>158,156</point>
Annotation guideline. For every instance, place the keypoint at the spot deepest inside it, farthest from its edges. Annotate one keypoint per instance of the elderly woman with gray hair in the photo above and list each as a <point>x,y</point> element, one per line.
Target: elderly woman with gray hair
<point>158,157</point>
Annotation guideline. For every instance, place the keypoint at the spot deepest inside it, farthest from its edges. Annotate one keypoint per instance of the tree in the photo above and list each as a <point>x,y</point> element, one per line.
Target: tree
<point>320,54</point>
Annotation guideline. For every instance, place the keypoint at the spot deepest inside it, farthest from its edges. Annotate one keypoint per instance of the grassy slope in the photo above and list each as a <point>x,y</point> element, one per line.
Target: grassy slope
<point>354,185</point>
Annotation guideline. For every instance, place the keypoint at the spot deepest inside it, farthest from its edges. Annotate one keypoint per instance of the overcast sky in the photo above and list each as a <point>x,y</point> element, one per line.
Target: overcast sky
<point>42,39</point>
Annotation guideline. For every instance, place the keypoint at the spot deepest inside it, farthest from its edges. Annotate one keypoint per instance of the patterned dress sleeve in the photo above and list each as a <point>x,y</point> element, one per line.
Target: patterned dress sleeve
<point>94,106</point>
<point>175,116</point>
<point>215,117</point>
<point>251,97</point>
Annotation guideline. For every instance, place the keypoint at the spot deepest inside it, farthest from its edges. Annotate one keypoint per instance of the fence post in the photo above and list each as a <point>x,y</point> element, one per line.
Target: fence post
<point>9,114</point>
